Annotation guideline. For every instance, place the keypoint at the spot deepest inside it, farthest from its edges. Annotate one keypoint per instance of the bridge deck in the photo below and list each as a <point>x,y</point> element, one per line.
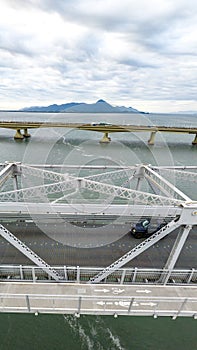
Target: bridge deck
<point>102,127</point>
<point>79,299</point>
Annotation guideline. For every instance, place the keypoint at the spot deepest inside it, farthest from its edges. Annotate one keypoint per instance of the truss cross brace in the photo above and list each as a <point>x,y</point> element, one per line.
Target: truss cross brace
<point>171,226</point>
<point>5,173</point>
<point>28,253</point>
<point>163,185</point>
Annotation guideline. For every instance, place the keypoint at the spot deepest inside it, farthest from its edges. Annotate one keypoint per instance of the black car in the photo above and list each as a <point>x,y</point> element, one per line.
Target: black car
<point>143,229</point>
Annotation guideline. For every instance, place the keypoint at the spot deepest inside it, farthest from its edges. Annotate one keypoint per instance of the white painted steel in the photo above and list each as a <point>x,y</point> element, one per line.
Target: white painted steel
<point>70,182</point>
<point>188,218</point>
<point>166,187</point>
<point>6,172</point>
<point>147,243</point>
<point>28,252</point>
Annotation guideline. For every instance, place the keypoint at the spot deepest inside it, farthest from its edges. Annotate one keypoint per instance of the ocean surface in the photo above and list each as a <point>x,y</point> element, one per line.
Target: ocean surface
<point>66,146</point>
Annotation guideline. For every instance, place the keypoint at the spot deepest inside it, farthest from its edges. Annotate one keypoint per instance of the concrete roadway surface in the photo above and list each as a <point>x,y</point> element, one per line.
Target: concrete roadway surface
<point>98,299</point>
<point>57,254</point>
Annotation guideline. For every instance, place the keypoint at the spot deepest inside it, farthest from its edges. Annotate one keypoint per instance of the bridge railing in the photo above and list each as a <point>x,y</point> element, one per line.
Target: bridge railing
<point>78,274</point>
<point>101,305</point>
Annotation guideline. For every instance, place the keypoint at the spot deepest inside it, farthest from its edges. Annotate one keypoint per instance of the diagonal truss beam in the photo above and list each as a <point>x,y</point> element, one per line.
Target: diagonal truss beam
<point>123,174</point>
<point>126,193</point>
<point>163,185</point>
<point>133,253</point>
<point>42,173</point>
<point>32,193</point>
<point>180,174</point>
<point>120,174</point>
<point>28,253</point>
<point>5,173</point>
<point>187,219</point>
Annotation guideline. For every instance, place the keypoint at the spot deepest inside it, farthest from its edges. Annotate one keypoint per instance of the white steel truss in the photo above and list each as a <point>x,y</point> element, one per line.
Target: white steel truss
<point>17,243</point>
<point>187,219</point>
<point>32,193</point>
<point>56,186</point>
<point>71,182</point>
<point>133,253</point>
<point>163,185</point>
<point>126,193</point>
<point>42,173</point>
<point>180,174</point>
<point>122,174</point>
<point>176,250</point>
<point>5,173</point>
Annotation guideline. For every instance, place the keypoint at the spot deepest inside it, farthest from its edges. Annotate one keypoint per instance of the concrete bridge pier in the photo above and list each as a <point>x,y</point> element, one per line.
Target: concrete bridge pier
<point>106,138</point>
<point>18,135</point>
<point>194,142</point>
<point>151,140</point>
<point>26,134</point>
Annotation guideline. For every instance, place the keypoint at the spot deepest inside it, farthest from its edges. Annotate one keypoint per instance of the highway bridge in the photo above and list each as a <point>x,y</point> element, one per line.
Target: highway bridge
<point>77,230</point>
<point>22,128</point>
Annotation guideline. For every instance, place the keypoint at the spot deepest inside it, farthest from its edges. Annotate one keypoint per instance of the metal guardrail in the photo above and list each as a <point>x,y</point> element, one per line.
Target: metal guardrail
<point>70,274</point>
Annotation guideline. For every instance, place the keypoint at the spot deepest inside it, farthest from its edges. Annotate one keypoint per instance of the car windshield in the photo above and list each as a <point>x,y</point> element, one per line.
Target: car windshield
<point>145,223</point>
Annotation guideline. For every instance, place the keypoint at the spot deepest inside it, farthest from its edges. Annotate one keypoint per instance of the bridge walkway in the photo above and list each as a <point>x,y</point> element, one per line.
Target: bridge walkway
<point>79,299</point>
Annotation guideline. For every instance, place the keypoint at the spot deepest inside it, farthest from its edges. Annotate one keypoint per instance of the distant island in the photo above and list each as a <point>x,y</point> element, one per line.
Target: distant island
<point>100,106</point>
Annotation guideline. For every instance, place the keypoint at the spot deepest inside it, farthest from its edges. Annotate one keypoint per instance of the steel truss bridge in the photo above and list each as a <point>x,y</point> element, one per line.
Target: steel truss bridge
<point>22,128</point>
<point>99,195</point>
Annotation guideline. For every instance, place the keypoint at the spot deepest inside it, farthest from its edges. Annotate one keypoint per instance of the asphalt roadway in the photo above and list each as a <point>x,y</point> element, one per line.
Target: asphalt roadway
<point>55,253</point>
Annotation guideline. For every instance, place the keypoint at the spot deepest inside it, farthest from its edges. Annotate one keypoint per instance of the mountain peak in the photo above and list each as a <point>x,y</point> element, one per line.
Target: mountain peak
<point>101,101</point>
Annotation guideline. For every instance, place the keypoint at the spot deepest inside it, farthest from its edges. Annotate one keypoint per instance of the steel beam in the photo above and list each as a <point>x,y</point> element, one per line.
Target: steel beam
<point>6,172</point>
<point>122,174</point>
<point>136,196</point>
<point>175,252</point>
<point>28,194</point>
<point>165,186</point>
<point>133,253</point>
<point>32,193</point>
<point>25,208</point>
<point>180,174</point>
<point>29,253</point>
<point>42,173</point>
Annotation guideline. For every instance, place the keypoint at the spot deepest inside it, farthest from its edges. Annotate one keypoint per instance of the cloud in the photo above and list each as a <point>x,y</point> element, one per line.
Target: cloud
<point>57,51</point>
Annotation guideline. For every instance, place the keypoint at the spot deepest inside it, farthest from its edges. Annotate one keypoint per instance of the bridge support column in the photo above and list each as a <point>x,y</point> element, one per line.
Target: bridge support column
<point>151,140</point>
<point>26,134</point>
<point>106,138</point>
<point>18,135</point>
<point>194,142</point>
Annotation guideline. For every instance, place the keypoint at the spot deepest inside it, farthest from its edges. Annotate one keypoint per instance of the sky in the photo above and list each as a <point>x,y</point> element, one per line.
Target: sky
<point>138,53</point>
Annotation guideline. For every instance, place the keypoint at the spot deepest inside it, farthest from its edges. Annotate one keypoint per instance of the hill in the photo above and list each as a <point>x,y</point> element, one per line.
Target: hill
<point>100,106</point>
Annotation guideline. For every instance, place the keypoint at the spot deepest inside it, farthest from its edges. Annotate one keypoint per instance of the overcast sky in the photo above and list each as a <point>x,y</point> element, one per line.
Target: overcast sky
<point>139,53</point>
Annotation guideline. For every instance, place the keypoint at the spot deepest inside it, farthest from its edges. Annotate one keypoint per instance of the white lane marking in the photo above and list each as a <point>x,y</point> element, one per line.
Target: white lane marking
<point>102,290</point>
<point>143,291</point>
<point>102,303</point>
<point>117,291</point>
<point>125,303</point>
<point>122,303</point>
<point>148,304</point>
